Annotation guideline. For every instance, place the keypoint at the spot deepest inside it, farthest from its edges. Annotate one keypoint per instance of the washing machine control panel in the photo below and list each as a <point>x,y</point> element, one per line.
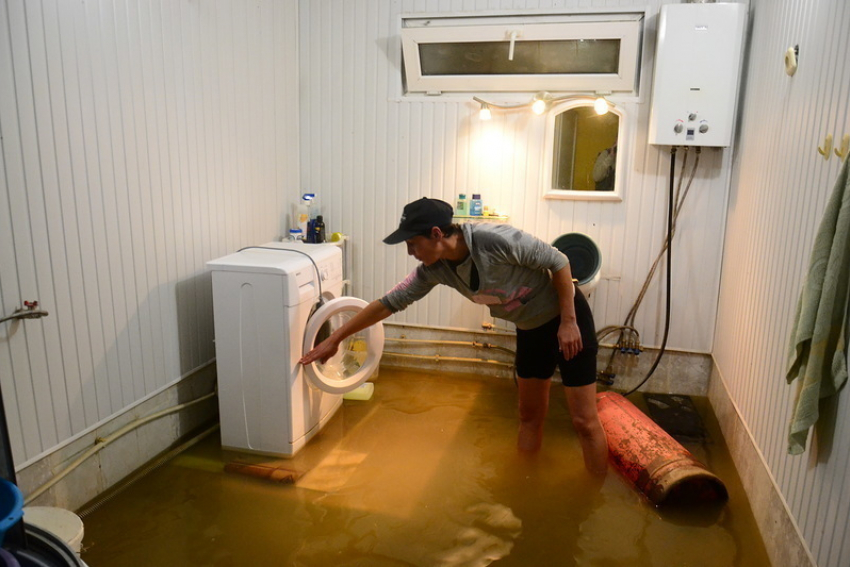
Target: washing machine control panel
<point>330,271</point>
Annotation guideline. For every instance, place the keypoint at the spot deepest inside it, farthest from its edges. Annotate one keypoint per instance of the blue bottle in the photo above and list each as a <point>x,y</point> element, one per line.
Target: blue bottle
<point>476,207</point>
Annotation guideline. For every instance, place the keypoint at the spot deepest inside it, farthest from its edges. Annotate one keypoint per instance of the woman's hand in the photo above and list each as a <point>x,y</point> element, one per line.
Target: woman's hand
<point>569,335</point>
<point>321,352</point>
<point>370,315</point>
<point>569,338</point>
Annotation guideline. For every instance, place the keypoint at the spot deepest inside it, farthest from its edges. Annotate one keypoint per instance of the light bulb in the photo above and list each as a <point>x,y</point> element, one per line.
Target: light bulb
<point>601,106</point>
<point>484,113</point>
<point>539,106</point>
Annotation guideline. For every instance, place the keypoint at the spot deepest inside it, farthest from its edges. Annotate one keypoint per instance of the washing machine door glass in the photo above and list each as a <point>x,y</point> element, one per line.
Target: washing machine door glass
<point>358,355</point>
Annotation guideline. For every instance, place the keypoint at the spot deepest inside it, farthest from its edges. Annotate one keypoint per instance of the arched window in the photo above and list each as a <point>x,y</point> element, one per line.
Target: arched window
<point>583,158</point>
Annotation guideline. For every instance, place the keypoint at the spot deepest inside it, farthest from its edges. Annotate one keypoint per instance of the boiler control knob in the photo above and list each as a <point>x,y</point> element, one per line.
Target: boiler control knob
<point>692,116</point>
<point>703,128</point>
<point>678,128</point>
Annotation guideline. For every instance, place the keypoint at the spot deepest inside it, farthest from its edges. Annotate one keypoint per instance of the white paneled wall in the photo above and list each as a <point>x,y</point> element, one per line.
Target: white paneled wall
<point>367,151</point>
<point>139,140</point>
<point>780,188</point>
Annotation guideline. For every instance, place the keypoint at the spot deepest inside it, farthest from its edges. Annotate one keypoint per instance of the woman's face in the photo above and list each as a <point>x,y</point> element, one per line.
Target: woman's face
<point>426,250</point>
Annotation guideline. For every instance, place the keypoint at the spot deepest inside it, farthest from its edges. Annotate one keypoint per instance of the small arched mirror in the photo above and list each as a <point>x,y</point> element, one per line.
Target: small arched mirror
<point>582,158</point>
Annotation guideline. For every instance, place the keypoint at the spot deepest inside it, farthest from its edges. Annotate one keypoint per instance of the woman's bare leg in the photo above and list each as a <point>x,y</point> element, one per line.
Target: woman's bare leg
<point>581,401</point>
<point>533,405</point>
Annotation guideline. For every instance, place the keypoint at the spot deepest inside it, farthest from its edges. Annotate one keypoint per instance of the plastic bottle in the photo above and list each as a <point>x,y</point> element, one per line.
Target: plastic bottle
<point>362,392</point>
<point>462,208</point>
<point>301,212</point>
<point>315,209</point>
<point>319,230</point>
<point>476,208</point>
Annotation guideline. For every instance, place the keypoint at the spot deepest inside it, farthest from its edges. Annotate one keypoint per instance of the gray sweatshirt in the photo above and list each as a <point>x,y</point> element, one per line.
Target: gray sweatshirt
<point>514,276</point>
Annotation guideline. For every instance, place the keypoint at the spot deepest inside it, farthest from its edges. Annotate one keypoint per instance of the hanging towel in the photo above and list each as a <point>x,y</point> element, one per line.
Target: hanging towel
<point>818,358</point>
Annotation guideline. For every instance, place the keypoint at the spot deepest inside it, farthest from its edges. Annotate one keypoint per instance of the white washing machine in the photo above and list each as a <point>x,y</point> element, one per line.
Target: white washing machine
<point>267,313</point>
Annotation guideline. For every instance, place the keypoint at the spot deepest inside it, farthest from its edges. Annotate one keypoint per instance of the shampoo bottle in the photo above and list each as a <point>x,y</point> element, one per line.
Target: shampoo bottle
<point>462,208</point>
<point>476,208</point>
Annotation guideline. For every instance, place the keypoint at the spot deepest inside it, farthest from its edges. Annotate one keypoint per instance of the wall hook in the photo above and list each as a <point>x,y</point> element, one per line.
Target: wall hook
<point>845,146</point>
<point>791,56</point>
<point>826,150</point>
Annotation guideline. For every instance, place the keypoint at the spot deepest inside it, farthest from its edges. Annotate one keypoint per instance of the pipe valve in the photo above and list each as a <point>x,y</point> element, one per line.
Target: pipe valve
<point>30,310</point>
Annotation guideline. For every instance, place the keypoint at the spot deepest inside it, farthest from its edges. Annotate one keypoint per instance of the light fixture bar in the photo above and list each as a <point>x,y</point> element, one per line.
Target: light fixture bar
<point>543,101</point>
<point>502,106</point>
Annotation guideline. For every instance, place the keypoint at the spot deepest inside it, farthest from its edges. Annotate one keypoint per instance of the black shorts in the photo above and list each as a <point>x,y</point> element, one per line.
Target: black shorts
<point>538,351</point>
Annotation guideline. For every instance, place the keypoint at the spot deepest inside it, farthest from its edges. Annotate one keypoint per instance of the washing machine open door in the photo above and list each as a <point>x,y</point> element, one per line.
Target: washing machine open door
<point>358,355</point>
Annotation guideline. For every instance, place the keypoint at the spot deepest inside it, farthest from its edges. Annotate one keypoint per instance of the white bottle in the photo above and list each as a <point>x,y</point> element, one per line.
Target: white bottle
<point>301,212</point>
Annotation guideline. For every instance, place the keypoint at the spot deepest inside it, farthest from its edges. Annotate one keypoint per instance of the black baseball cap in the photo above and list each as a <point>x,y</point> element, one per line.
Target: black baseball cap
<point>419,217</point>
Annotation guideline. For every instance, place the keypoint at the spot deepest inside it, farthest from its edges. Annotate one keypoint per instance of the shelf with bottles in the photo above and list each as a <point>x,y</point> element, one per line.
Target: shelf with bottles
<point>494,218</point>
<point>474,210</point>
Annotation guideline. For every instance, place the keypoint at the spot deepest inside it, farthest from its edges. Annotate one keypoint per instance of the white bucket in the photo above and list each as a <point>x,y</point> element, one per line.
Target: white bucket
<point>62,523</point>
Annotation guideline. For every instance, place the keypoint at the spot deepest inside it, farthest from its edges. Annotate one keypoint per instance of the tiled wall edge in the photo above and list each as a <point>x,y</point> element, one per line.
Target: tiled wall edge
<point>114,462</point>
<point>774,518</point>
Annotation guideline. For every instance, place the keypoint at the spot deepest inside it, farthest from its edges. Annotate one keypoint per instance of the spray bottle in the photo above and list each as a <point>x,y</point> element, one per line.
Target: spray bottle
<point>301,212</point>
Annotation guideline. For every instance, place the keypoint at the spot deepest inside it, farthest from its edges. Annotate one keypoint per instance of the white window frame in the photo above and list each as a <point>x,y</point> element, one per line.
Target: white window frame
<point>625,27</point>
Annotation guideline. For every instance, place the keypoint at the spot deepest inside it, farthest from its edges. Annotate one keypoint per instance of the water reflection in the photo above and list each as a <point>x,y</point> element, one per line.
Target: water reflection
<point>426,473</point>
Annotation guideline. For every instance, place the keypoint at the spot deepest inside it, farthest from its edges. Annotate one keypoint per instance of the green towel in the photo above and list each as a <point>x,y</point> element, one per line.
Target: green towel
<point>819,337</point>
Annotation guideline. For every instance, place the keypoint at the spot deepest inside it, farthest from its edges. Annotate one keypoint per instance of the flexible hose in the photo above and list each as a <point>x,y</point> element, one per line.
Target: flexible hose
<point>679,200</point>
<point>135,476</point>
<point>101,443</point>
<point>670,207</point>
<point>315,266</point>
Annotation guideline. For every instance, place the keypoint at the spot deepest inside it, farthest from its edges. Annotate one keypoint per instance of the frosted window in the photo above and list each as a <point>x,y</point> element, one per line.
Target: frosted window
<point>574,56</point>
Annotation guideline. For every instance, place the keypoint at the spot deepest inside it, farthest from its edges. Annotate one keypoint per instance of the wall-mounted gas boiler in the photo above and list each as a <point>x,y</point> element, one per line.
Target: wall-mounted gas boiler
<point>698,60</point>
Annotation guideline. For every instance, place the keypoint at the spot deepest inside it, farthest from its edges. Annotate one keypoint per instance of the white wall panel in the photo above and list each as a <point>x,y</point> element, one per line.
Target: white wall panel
<point>779,190</point>
<point>367,151</point>
<point>139,140</point>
